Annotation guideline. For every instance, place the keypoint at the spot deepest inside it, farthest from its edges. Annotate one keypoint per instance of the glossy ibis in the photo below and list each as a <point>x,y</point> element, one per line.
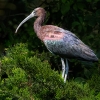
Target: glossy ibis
<point>59,41</point>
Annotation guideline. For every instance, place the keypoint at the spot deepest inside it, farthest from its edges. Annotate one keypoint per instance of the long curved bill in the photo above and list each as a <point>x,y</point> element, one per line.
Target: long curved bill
<point>27,18</point>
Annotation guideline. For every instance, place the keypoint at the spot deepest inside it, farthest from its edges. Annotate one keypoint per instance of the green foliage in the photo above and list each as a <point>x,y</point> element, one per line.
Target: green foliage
<point>67,5</point>
<point>28,77</point>
<point>94,82</point>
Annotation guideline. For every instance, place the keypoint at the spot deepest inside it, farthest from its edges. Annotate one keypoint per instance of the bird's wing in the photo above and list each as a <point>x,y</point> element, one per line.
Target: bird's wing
<point>63,43</point>
<point>67,44</point>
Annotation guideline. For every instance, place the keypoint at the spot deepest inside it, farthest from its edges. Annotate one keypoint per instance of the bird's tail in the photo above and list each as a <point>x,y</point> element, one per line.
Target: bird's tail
<point>90,56</point>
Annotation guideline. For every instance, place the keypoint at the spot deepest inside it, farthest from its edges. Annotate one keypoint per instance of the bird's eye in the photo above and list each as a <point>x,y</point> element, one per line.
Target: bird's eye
<point>34,11</point>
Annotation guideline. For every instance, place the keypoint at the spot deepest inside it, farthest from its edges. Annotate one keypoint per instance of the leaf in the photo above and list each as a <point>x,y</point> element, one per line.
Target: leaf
<point>80,6</point>
<point>75,23</point>
<point>98,12</point>
<point>65,8</point>
<point>98,96</point>
<point>79,79</point>
<point>75,7</point>
<point>88,0</point>
<point>63,1</point>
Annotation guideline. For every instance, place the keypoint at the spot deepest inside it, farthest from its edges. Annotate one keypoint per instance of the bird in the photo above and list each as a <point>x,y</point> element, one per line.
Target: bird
<point>60,41</point>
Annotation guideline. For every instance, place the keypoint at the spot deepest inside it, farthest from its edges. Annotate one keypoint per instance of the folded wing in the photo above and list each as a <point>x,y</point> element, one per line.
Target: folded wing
<point>66,44</point>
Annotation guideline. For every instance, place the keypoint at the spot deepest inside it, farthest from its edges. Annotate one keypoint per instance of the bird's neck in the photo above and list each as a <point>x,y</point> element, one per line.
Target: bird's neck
<point>38,24</point>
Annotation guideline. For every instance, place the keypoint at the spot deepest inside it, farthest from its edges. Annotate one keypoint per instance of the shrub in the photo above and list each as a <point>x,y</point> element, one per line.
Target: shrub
<point>30,78</point>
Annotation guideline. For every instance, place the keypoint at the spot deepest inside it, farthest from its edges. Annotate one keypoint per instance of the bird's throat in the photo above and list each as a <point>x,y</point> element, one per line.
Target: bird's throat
<point>38,23</point>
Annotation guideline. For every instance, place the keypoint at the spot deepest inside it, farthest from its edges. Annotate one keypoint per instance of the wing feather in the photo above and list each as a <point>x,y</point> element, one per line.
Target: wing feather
<point>68,45</point>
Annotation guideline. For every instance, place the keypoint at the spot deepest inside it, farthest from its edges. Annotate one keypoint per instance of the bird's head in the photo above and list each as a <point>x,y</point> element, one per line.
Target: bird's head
<point>36,12</point>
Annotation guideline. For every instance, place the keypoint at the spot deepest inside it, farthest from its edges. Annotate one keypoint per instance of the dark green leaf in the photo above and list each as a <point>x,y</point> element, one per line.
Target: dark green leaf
<point>63,1</point>
<point>75,7</point>
<point>65,8</point>
<point>98,12</point>
<point>88,0</point>
<point>75,24</point>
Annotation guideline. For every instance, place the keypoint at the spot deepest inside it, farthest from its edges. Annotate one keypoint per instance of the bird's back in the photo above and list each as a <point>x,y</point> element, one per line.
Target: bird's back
<point>66,44</point>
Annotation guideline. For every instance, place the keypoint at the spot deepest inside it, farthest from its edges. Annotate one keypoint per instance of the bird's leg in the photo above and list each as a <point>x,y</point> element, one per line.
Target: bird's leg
<point>63,67</point>
<point>66,71</point>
